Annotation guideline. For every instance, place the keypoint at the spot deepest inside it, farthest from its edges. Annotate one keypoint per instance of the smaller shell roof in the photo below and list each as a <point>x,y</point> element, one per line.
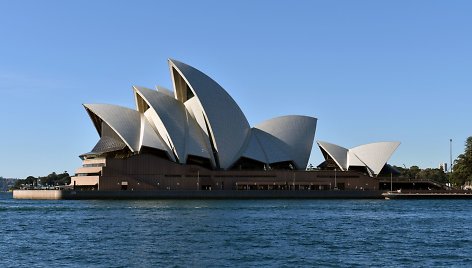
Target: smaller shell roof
<point>374,156</point>
<point>128,124</point>
<point>254,148</point>
<point>337,153</point>
<point>296,133</point>
<point>274,149</point>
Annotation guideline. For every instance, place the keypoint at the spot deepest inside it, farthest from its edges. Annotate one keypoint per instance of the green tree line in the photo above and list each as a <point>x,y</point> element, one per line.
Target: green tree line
<point>462,168</point>
<point>52,179</point>
<point>415,173</point>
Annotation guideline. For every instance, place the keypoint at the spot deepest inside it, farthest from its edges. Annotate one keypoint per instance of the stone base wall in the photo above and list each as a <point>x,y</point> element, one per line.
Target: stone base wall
<point>38,194</point>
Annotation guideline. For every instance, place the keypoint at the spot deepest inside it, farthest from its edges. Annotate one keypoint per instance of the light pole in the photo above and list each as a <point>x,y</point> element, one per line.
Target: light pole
<point>198,180</point>
<point>450,155</point>
<point>335,184</point>
<point>293,184</point>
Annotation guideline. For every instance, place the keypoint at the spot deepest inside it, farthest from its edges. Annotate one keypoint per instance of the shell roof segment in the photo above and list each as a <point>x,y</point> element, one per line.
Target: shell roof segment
<point>174,124</point>
<point>171,121</point>
<point>128,124</point>
<point>373,156</point>
<point>254,149</point>
<point>274,149</point>
<point>296,133</point>
<point>227,126</point>
<point>337,153</point>
<point>201,119</point>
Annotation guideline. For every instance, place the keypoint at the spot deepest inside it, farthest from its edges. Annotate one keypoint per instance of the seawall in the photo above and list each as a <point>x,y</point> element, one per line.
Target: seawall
<point>220,194</point>
<point>38,194</point>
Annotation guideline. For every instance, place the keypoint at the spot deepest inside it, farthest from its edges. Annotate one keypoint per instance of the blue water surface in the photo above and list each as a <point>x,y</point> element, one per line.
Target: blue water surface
<point>235,233</point>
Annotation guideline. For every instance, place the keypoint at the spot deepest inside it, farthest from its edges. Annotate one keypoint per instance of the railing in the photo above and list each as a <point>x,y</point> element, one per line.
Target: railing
<point>408,180</point>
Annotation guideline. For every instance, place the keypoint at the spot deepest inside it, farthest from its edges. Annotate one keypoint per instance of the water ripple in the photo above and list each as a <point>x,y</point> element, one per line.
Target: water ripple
<point>235,233</point>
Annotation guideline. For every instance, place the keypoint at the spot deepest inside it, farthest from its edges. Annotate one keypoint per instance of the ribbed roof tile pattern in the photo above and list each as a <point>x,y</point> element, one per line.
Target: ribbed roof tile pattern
<point>226,122</point>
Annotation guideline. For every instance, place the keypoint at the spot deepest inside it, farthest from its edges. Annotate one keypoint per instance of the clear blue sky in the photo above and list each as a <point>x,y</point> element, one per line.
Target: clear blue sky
<point>368,70</point>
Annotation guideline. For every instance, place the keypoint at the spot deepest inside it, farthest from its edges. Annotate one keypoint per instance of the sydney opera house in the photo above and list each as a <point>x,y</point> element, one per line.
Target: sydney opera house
<point>197,138</point>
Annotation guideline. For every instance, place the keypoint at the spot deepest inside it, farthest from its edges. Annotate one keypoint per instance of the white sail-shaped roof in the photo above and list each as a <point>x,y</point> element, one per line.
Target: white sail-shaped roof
<point>296,132</point>
<point>354,160</point>
<point>150,139</point>
<point>127,124</point>
<point>227,126</point>
<point>197,142</point>
<point>337,153</point>
<point>173,122</point>
<point>274,149</point>
<point>200,120</point>
<point>373,156</point>
<point>254,149</point>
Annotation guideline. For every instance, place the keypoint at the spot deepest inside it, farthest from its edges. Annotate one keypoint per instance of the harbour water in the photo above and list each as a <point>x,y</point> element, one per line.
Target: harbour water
<point>235,233</point>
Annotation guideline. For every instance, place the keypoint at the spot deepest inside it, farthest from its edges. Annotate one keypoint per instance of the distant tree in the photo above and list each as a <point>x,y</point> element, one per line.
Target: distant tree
<point>52,179</point>
<point>403,171</point>
<point>462,169</point>
<point>433,174</point>
<point>413,172</point>
<point>63,179</point>
<point>30,180</point>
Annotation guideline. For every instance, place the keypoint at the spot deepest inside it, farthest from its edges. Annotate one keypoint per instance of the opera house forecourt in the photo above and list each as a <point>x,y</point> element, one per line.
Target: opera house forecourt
<point>195,142</point>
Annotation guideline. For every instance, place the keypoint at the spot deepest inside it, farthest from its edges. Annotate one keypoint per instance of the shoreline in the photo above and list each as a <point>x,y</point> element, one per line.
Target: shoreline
<point>194,194</point>
<point>236,194</point>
